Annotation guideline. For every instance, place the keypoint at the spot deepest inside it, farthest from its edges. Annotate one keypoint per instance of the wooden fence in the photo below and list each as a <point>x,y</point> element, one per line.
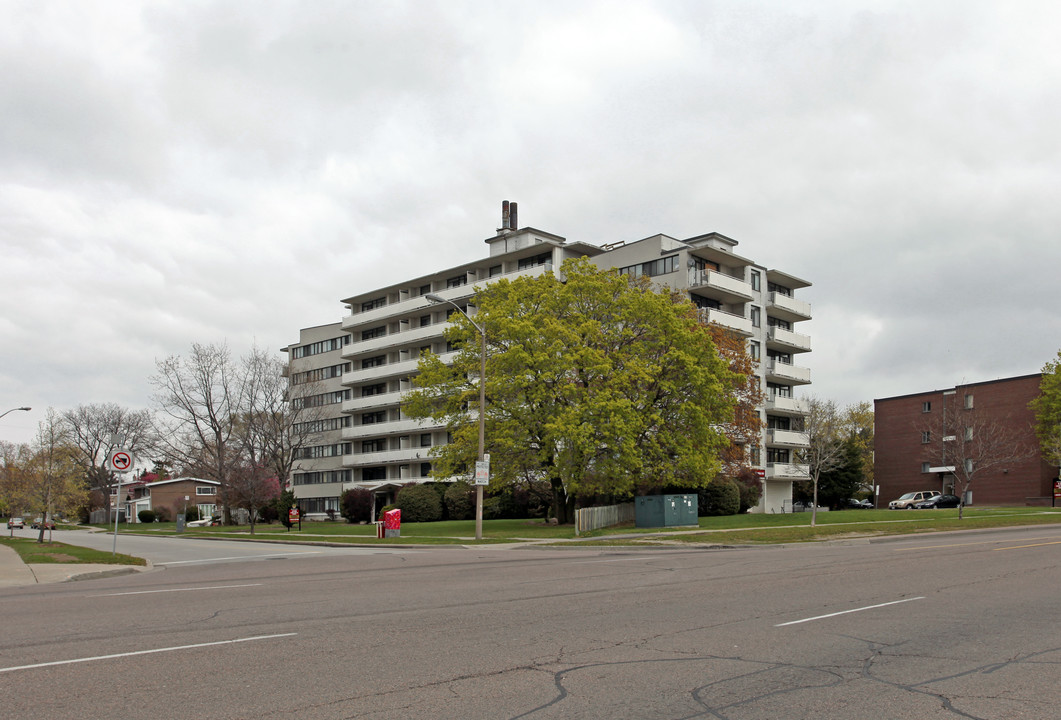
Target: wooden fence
<point>592,518</point>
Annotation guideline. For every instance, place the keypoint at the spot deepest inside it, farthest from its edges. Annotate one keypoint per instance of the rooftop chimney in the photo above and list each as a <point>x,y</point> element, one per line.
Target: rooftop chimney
<point>513,219</point>
<point>505,216</point>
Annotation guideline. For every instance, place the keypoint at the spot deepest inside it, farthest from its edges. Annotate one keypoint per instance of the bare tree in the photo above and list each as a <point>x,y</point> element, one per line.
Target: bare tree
<point>824,427</point>
<point>44,477</point>
<point>201,397</point>
<point>90,429</point>
<point>251,488</point>
<point>973,442</point>
<point>278,424</point>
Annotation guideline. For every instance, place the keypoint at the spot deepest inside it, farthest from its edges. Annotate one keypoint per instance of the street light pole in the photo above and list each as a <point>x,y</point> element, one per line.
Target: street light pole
<point>431,297</point>
<point>5,412</point>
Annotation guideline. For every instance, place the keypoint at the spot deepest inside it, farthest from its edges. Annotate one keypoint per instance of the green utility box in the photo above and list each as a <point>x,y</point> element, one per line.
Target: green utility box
<point>665,511</point>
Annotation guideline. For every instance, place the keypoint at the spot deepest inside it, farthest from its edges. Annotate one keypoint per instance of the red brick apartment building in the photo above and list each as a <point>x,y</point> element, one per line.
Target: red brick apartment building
<point>911,430</point>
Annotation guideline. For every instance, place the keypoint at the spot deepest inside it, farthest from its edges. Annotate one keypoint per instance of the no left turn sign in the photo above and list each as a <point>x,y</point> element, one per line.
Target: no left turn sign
<point>121,461</point>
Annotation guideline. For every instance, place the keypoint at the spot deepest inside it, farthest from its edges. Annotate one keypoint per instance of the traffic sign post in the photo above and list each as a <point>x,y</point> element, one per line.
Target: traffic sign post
<point>120,461</point>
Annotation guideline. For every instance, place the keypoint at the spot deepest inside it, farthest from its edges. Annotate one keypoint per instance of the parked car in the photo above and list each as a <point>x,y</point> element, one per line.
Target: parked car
<point>16,522</point>
<point>939,501</point>
<point>908,500</point>
<point>853,504</point>
<point>48,524</point>
<point>799,506</point>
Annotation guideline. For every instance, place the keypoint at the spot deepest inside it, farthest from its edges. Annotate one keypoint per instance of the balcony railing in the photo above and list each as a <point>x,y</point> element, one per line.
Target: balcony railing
<point>410,455</point>
<point>785,371</point>
<point>404,426</point>
<point>372,402</point>
<point>787,307</point>
<point>780,405</point>
<point>729,286</point>
<point>413,306</point>
<point>786,438</point>
<point>787,471</point>
<point>383,342</point>
<point>788,339</point>
<point>729,320</point>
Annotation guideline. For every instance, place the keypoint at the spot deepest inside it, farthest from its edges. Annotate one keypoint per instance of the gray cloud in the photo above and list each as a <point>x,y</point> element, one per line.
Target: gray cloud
<point>178,173</point>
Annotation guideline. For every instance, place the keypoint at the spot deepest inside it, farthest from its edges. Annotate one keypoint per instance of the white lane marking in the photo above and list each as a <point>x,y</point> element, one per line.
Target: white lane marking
<point>149,592</point>
<point>144,652</point>
<point>241,557</point>
<point>845,612</point>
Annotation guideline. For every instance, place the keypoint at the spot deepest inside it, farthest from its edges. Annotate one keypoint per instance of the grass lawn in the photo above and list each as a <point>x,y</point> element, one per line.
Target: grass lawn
<point>56,552</point>
<point>796,527</point>
<point>729,530</point>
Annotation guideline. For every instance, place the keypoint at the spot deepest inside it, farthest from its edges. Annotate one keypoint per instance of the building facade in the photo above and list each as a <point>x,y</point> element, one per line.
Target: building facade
<point>172,497</point>
<point>916,439</point>
<point>315,368</point>
<point>758,304</point>
<point>368,442</point>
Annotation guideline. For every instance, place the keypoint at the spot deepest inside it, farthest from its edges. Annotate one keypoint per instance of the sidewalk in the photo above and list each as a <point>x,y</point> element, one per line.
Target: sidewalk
<point>14,572</point>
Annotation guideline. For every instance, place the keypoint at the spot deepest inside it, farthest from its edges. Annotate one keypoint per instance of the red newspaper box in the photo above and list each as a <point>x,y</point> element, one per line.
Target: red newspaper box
<point>392,521</point>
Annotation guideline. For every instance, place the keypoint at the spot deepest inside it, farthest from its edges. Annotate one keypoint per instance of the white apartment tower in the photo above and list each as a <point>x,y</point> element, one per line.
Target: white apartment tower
<point>364,364</point>
<point>757,303</point>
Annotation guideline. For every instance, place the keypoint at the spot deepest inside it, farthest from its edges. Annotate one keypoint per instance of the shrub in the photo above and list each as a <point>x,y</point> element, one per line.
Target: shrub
<point>192,513</point>
<point>146,516</point>
<point>268,514</point>
<point>460,501</point>
<point>750,487</point>
<point>419,503</point>
<point>720,497</point>
<point>284,502</point>
<point>162,515</point>
<point>355,505</point>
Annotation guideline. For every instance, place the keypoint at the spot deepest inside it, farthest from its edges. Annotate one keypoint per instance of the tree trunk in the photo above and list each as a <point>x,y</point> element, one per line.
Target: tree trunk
<point>563,505</point>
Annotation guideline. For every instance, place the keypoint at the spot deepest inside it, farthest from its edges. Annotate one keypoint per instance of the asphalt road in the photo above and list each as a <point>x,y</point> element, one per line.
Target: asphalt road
<point>941,626</point>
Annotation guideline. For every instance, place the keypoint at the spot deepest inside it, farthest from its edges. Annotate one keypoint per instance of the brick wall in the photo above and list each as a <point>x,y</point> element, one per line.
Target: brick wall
<point>900,452</point>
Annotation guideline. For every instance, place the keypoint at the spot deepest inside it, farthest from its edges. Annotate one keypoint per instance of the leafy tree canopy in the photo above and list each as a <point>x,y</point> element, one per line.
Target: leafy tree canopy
<point>1047,409</point>
<point>594,381</point>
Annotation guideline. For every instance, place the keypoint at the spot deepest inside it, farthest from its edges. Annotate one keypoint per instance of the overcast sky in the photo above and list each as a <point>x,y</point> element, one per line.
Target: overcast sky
<point>188,172</point>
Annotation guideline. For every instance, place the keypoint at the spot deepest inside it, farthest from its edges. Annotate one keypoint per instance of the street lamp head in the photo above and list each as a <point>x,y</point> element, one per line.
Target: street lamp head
<point>432,297</point>
<point>27,409</point>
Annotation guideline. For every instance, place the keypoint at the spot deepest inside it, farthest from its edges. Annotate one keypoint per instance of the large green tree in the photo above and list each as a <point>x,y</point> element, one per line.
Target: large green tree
<point>594,381</point>
<point>1047,409</point>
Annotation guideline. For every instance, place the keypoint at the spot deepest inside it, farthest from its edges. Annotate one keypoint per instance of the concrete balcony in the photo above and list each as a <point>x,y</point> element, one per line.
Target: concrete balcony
<point>787,471</point>
<point>786,438</point>
<point>736,323</point>
<point>786,373</point>
<point>394,427</point>
<point>727,288</point>
<point>374,374</point>
<point>415,306</point>
<point>787,307</point>
<point>777,405</point>
<point>787,340</point>
<point>374,346</point>
<point>405,455</point>
<point>372,402</point>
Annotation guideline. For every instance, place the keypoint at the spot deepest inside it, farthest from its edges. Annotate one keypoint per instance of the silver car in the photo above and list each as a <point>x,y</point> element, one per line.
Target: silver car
<point>908,500</point>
